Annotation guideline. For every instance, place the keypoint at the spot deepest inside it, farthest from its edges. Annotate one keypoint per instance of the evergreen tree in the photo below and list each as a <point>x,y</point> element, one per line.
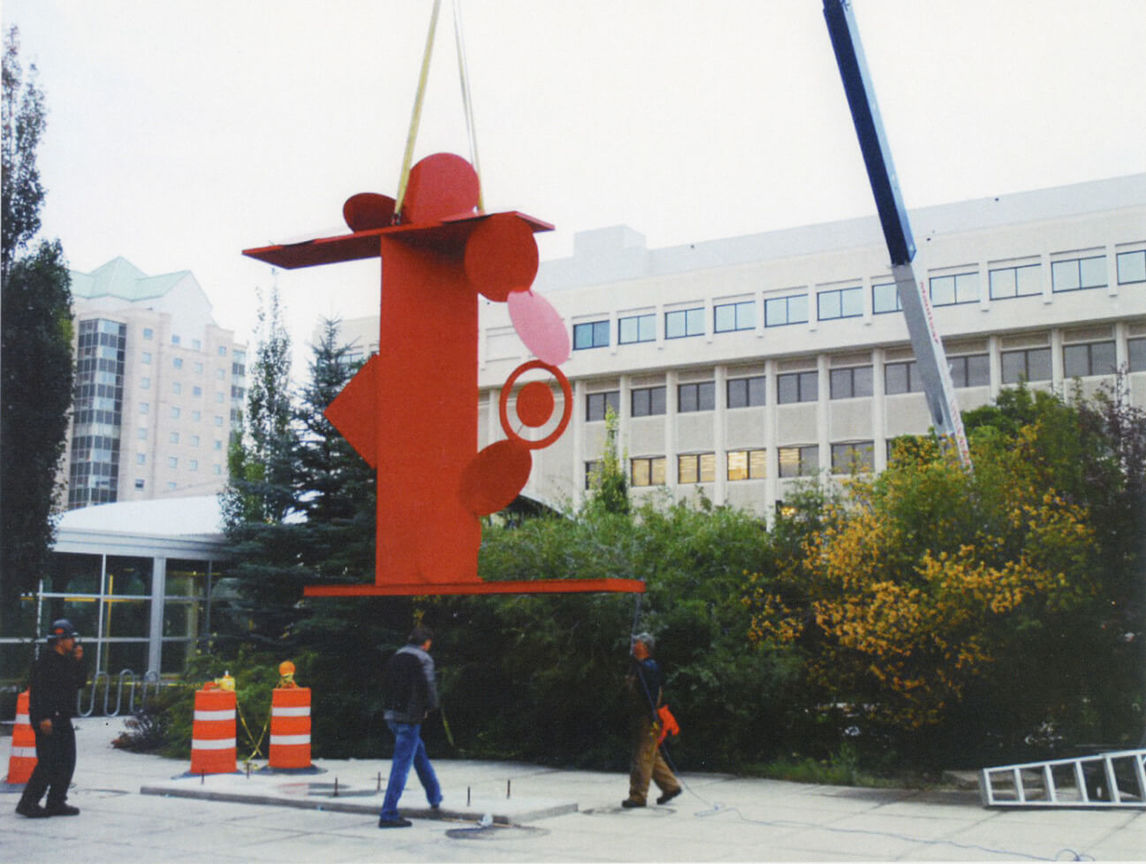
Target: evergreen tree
<point>36,354</point>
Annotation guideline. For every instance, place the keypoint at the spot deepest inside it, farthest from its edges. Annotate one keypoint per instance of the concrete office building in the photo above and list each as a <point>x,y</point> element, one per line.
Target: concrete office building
<point>158,384</point>
<point>738,365</point>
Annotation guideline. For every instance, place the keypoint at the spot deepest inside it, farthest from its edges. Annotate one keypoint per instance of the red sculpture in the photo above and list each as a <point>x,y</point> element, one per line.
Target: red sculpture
<point>411,411</point>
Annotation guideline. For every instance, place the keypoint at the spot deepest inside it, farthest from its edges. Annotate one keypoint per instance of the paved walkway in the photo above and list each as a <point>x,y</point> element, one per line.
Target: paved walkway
<point>554,815</point>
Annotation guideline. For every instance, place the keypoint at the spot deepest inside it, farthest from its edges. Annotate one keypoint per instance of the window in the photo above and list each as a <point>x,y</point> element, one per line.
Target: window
<point>779,311</point>
<point>648,401</point>
<point>593,334</point>
<point>217,469</point>
<point>193,465</point>
<point>734,316</point>
<point>175,412</point>
<point>696,397</point>
<point>222,350</point>
<point>747,464</point>
<point>696,467</point>
<point>144,407</point>
<point>1131,267</point>
<point>147,334</point>
<point>1033,364</point>
<point>637,328</point>
<point>901,378</point>
<point>1136,354</point>
<point>177,362</point>
<point>1015,281</point>
<point>138,483</point>
<point>853,456</point>
<point>198,368</point>
<point>218,420</point>
<point>1078,274</point>
<point>172,462</point>
<point>953,290</point>
<point>973,370</point>
<point>746,392</point>
<point>145,358</point>
<point>681,323</point>
<point>885,298</point>
<point>144,383</point>
<point>839,303</point>
<point>648,471</point>
<point>176,388</point>
<point>193,440</point>
<point>174,339</point>
<point>1096,358</point>
<point>591,468</point>
<point>797,387</point>
<point>174,438</point>
<point>196,391</point>
<point>596,403</point>
<point>140,458</point>
<point>141,433</point>
<point>799,461</point>
<point>218,444</point>
<point>196,345</point>
<point>851,383</point>
<point>196,416</point>
<point>220,374</point>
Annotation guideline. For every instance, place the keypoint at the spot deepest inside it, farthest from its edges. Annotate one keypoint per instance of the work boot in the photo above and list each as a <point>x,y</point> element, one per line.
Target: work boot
<point>394,823</point>
<point>668,796</point>
<point>61,809</point>
<point>32,810</point>
<point>630,803</point>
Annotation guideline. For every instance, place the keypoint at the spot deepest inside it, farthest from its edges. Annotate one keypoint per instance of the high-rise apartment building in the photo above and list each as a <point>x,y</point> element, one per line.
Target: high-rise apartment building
<point>740,365</point>
<point>158,386</point>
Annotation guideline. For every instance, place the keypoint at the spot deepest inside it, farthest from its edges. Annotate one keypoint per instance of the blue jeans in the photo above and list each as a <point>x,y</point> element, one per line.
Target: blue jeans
<point>408,750</point>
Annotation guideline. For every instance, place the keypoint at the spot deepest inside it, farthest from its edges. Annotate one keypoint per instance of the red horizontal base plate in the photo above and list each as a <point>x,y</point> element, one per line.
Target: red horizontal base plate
<point>429,589</point>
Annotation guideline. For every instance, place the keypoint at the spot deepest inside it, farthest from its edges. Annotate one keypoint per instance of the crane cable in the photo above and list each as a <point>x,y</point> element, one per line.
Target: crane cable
<point>419,98</point>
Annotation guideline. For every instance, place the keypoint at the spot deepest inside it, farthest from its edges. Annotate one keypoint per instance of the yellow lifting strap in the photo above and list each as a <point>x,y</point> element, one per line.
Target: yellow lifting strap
<point>419,98</point>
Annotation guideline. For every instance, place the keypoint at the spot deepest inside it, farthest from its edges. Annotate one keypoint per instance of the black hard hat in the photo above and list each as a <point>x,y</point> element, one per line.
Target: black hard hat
<point>61,629</point>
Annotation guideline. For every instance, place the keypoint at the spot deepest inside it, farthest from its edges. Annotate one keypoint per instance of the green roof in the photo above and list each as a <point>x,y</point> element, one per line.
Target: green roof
<point>120,278</point>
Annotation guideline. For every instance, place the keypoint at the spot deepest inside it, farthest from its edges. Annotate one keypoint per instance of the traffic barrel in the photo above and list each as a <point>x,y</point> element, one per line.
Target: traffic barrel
<point>213,733</point>
<point>290,728</point>
<point>23,758</point>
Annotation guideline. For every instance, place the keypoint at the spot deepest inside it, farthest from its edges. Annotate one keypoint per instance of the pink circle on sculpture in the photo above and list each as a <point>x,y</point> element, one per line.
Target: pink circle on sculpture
<point>535,404</point>
<point>439,186</point>
<point>501,256</point>
<point>539,326</point>
<point>494,477</point>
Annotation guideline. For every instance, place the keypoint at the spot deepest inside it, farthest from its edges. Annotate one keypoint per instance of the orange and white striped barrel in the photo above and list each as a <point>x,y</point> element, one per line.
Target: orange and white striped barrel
<point>290,728</point>
<point>23,759</point>
<point>213,732</point>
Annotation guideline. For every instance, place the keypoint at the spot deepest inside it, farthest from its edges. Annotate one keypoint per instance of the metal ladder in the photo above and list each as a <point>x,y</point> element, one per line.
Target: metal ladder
<point>1114,779</point>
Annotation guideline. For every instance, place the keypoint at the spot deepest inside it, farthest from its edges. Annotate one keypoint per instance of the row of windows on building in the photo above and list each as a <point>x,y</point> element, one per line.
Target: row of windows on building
<point>97,412</point>
<point>1074,274</point>
<point>748,464</point>
<point>972,370</point>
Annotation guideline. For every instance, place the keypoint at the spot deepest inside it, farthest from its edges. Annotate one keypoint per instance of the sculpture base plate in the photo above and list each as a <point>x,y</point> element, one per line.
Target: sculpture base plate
<point>433,589</point>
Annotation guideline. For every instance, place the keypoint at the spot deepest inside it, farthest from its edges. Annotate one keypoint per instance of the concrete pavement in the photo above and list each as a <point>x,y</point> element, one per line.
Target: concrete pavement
<point>142,809</point>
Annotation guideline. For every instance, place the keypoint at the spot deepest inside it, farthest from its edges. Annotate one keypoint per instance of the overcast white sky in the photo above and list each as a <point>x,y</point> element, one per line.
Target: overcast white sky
<point>183,131</point>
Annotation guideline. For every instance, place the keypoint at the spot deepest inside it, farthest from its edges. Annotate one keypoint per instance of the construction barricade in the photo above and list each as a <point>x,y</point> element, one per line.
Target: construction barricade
<point>23,759</point>
<point>290,728</point>
<point>213,732</point>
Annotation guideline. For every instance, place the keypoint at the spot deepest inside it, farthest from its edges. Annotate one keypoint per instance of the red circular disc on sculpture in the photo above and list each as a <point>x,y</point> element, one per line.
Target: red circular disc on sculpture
<point>494,477</point>
<point>535,404</point>
<point>367,211</point>
<point>566,414</point>
<point>501,256</point>
<point>439,186</point>
<point>539,326</point>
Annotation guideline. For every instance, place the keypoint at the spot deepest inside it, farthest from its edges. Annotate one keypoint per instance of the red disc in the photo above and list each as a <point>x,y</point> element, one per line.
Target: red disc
<point>439,186</point>
<point>535,404</point>
<point>367,211</point>
<point>501,256</point>
<point>566,414</point>
<point>494,477</point>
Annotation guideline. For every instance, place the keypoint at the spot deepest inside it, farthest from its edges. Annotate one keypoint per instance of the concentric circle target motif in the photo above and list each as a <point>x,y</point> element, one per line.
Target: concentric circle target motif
<point>533,412</point>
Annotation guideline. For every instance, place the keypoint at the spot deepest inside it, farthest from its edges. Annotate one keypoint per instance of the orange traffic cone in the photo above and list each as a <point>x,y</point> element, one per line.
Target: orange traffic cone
<point>23,758</point>
<point>213,733</point>
<point>290,728</point>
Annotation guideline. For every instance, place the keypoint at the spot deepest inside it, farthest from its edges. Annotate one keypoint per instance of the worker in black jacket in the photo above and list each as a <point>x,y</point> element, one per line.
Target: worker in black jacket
<point>57,675</point>
<point>409,695</point>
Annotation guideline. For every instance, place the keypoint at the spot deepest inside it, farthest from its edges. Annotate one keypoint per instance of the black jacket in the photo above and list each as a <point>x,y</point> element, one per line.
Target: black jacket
<point>56,678</point>
<point>409,692</point>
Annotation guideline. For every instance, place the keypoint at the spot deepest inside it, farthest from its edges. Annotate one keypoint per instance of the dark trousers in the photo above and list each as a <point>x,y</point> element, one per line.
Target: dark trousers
<point>55,765</point>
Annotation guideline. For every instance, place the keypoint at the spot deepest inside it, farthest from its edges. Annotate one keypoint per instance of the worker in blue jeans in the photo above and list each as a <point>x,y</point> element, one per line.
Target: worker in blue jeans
<point>409,695</point>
